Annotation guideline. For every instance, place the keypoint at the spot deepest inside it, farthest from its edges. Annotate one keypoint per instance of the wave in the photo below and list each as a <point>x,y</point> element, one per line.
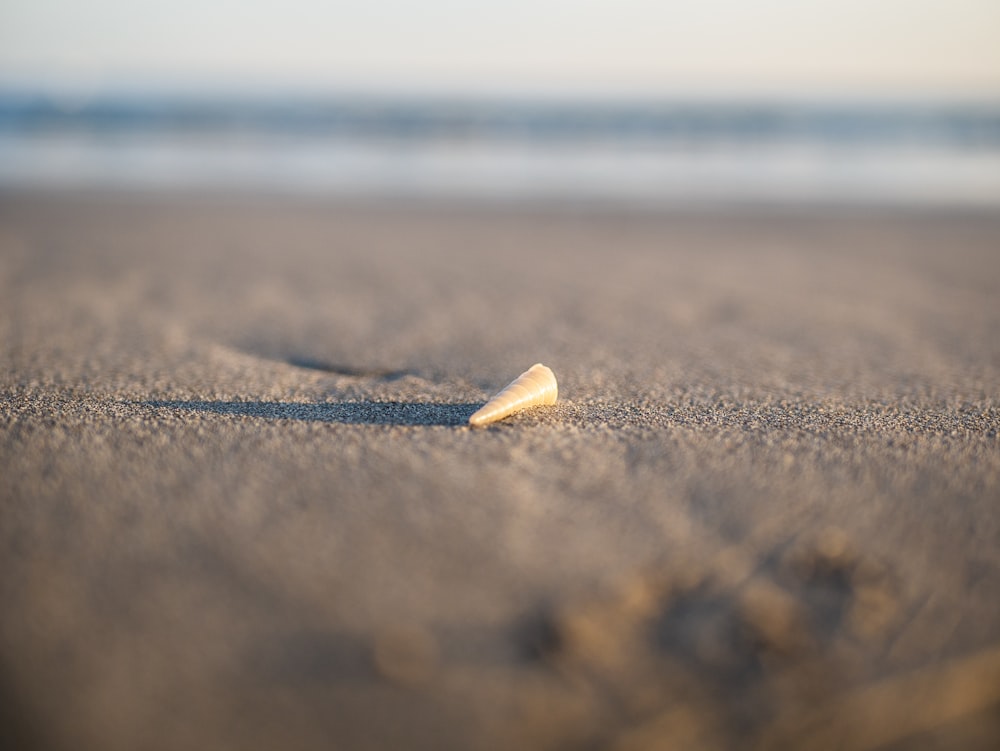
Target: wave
<point>659,153</point>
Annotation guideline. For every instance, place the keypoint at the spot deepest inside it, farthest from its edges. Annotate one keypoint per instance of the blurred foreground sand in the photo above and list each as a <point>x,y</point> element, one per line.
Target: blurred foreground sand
<point>240,508</point>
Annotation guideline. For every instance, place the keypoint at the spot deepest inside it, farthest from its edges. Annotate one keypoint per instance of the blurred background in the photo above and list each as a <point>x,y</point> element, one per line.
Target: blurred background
<point>635,101</point>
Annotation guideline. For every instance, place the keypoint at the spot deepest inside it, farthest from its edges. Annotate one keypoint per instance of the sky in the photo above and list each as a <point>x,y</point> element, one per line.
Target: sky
<point>652,47</point>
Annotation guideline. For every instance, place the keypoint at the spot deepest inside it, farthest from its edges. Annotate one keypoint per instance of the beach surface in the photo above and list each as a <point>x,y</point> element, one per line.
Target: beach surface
<point>241,507</point>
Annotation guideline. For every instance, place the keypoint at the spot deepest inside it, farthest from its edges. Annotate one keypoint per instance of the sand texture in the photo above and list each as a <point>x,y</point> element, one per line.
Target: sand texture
<point>241,508</point>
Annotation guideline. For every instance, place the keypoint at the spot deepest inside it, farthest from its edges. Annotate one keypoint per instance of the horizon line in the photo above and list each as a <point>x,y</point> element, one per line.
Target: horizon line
<point>71,86</point>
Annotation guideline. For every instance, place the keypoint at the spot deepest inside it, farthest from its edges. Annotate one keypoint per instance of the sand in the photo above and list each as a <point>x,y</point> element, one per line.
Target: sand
<point>240,506</point>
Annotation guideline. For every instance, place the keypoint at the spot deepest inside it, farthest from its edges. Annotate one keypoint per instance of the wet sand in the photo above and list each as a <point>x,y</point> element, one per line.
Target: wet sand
<point>240,506</point>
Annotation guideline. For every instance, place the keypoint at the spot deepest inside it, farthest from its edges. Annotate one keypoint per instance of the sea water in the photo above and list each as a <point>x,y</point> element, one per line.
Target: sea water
<point>654,152</point>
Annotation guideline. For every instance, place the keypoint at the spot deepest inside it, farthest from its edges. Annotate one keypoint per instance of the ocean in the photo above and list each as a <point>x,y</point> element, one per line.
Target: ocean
<point>651,153</point>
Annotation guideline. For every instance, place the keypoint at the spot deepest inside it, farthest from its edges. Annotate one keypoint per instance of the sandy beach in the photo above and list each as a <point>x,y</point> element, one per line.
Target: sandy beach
<point>241,508</point>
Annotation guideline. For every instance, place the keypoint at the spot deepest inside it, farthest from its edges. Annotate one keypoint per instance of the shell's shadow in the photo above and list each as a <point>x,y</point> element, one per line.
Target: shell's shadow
<point>348,413</point>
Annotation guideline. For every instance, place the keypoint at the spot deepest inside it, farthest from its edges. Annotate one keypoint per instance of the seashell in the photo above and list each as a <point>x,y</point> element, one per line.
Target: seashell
<point>536,385</point>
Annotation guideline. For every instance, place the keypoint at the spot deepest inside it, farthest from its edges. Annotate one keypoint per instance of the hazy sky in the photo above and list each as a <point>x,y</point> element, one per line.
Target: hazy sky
<point>645,46</point>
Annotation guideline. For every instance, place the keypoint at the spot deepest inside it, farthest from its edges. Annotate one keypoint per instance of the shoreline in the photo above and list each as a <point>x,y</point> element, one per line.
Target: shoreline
<point>489,205</point>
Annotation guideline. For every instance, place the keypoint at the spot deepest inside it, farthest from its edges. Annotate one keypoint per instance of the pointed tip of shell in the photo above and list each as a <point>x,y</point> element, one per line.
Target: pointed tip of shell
<point>537,385</point>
